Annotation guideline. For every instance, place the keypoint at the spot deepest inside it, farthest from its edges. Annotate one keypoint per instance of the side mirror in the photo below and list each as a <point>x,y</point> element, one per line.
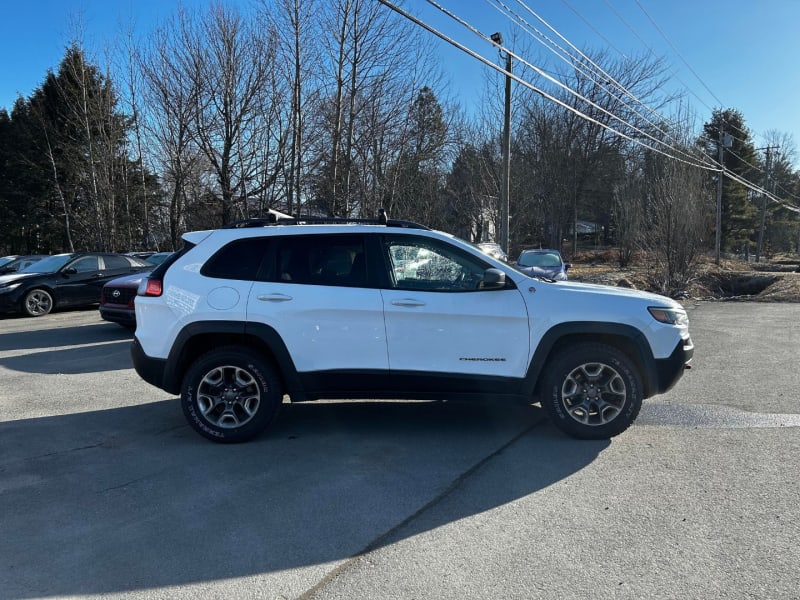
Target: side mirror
<point>567,266</point>
<point>493,279</point>
<point>70,271</point>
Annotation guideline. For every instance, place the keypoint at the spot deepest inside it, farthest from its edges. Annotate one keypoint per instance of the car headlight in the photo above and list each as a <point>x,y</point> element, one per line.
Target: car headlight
<point>10,287</point>
<point>670,316</point>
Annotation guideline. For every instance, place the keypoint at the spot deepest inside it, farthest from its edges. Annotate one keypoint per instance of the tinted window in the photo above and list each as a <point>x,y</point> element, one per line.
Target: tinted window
<point>116,262</point>
<point>321,260</point>
<point>85,264</point>
<point>238,260</point>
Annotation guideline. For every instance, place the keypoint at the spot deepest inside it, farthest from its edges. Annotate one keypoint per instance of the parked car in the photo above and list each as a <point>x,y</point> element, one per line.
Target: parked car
<point>63,280</point>
<point>494,250</point>
<point>12,264</point>
<point>117,298</point>
<point>543,263</point>
<point>118,295</point>
<point>318,308</point>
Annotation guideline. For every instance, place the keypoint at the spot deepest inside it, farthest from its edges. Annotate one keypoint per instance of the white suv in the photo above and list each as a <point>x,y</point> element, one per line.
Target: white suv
<point>389,309</point>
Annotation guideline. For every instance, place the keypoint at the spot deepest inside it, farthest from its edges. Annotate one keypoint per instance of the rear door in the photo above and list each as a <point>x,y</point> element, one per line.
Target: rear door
<point>317,296</point>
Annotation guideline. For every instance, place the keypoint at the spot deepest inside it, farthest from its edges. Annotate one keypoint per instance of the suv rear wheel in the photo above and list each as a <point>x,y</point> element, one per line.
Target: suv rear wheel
<point>592,391</point>
<point>231,394</point>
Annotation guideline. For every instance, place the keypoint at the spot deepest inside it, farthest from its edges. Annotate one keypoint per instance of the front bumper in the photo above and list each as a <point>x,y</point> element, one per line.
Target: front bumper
<point>670,370</point>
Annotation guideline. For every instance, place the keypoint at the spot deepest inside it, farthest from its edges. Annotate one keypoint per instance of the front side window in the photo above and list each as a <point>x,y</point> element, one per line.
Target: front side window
<point>85,264</point>
<point>419,263</point>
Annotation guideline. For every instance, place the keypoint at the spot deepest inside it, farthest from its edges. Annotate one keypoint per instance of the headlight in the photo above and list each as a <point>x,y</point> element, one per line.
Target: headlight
<point>10,288</point>
<point>670,316</point>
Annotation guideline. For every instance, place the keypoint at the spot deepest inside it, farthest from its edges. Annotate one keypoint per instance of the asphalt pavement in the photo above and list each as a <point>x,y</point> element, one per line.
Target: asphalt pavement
<point>106,492</point>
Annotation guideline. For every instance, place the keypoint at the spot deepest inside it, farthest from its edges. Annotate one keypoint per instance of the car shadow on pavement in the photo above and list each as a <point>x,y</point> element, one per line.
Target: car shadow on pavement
<point>92,348</point>
<point>131,499</point>
<point>55,337</point>
<point>95,358</point>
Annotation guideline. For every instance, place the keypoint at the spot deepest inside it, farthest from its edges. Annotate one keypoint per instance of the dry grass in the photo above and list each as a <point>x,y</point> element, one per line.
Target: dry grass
<point>776,280</point>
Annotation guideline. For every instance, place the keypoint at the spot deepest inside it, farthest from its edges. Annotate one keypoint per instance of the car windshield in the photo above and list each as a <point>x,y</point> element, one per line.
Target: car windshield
<point>51,264</point>
<point>4,260</point>
<point>539,259</point>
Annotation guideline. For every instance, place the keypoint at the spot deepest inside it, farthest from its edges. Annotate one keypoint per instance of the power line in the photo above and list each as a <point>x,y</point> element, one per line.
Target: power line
<point>683,60</point>
<point>575,64</point>
<point>718,168</point>
<point>579,96</point>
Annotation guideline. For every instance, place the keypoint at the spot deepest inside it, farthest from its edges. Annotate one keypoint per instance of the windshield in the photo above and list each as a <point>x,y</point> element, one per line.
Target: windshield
<point>51,264</point>
<point>539,259</point>
<point>4,260</point>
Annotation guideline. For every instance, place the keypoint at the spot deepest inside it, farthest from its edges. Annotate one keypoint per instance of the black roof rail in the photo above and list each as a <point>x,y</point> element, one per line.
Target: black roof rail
<point>272,219</point>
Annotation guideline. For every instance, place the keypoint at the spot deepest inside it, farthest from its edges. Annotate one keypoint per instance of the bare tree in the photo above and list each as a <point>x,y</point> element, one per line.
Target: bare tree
<point>374,67</point>
<point>580,158</point>
<point>680,211</point>
<point>231,61</point>
<point>170,97</point>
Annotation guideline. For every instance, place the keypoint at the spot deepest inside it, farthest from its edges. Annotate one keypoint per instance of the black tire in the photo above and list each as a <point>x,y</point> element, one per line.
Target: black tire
<point>37,303</point>
<point>592,391</point>
<point>231,395</point>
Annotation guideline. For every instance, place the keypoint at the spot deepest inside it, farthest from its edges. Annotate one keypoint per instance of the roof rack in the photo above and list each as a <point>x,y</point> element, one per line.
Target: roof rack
<point>273,219</point>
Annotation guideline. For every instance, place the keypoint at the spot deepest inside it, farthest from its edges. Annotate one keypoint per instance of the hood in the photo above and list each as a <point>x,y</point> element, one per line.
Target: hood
<point>609,290</point>
<point>549,272</point>
<point>14,277</point>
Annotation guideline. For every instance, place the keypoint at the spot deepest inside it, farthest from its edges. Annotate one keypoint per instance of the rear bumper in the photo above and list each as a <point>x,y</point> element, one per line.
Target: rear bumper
<point>150,369</point>
<point>118,315</point>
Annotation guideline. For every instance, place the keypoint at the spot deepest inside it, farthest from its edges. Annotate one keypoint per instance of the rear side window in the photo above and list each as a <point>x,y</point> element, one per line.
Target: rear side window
<point>336,260</point>
<point>240,259</point>
<point>112,262</point>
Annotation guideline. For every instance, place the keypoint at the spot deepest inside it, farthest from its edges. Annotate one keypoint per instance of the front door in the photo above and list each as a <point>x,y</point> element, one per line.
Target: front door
<point>438,319</point>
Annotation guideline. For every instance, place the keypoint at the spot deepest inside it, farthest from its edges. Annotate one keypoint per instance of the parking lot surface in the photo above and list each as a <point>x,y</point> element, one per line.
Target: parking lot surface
<point>105,491</point>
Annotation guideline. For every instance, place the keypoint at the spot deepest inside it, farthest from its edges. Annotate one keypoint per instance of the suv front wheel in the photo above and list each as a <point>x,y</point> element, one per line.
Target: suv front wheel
<point>230,394</point>
<point>592,391</point>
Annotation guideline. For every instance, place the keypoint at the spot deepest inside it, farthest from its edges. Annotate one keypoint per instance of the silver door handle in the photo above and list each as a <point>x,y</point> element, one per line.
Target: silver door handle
<point>407,303</point>
<point>274,298</point>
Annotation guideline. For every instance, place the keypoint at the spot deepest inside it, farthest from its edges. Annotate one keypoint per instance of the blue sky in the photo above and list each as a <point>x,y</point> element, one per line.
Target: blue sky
<point>745,52</point>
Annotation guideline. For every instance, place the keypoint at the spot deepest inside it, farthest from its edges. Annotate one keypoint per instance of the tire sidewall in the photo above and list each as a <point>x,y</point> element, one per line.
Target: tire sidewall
<point>564,364</point>
<point>28,294</point>
<point>258,368</point>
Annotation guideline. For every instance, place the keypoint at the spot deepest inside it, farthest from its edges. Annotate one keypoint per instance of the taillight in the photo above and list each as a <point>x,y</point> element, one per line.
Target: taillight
<point>150,287</point>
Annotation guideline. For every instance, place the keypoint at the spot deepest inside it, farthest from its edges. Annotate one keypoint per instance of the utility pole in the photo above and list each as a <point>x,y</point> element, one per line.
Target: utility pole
<point>505,187</point>
<point>763,217</point>
<point>725,141</point>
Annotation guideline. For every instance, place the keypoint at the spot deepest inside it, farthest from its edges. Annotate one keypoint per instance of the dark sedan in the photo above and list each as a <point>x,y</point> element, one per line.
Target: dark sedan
<point>542,262</point>
<point>64,280</point>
